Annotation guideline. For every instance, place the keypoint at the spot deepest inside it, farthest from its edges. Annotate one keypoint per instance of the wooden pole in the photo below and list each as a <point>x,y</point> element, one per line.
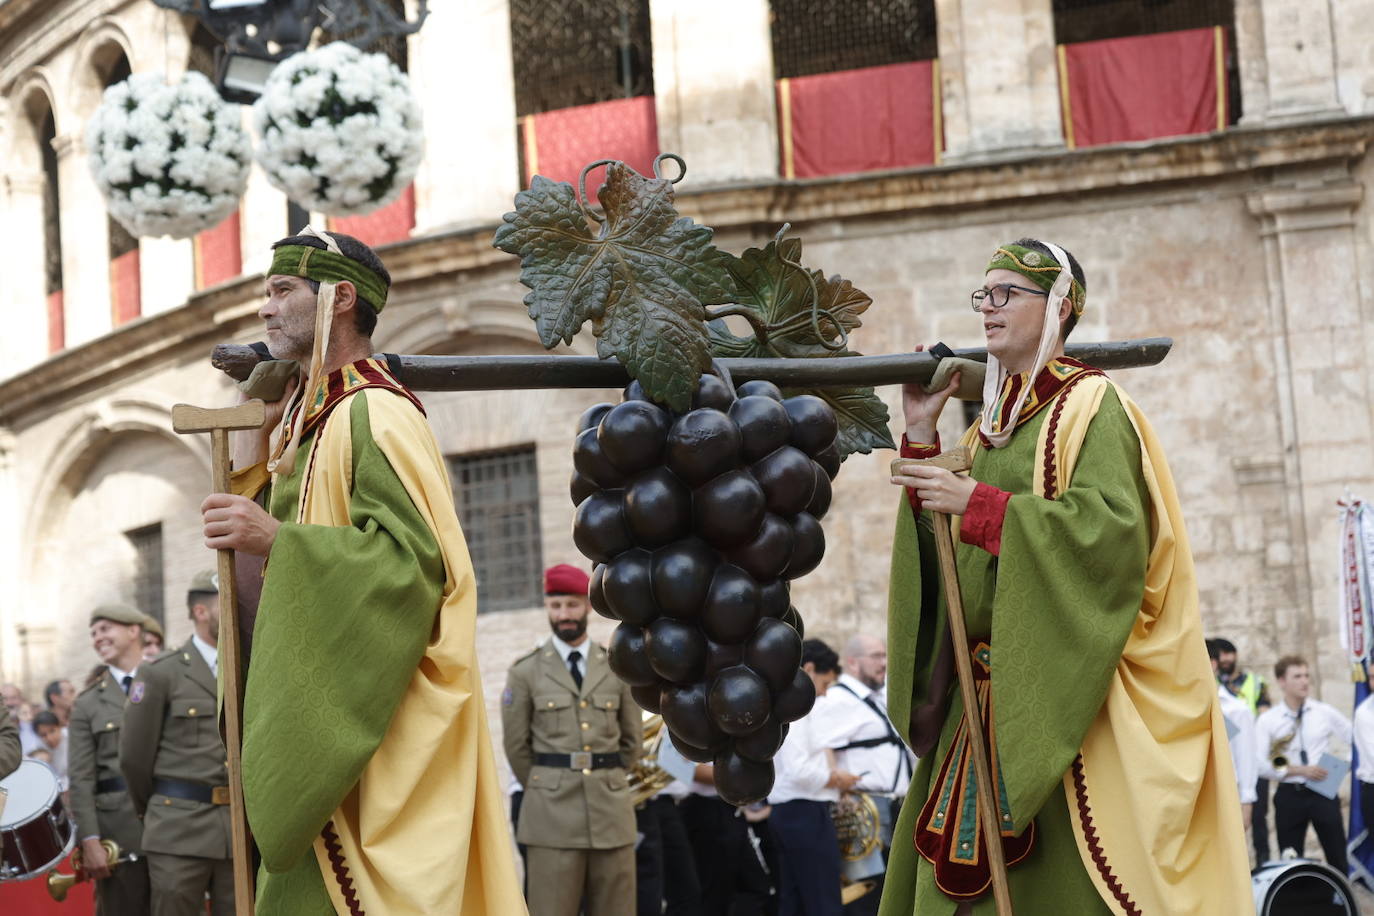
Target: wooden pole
<point>988,810</point>
<point>490,373</point>
<point>218,423</point>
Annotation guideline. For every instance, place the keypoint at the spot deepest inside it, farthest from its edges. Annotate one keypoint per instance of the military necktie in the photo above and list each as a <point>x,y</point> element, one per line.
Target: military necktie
<point>573,658</point>
<point>128,679</point>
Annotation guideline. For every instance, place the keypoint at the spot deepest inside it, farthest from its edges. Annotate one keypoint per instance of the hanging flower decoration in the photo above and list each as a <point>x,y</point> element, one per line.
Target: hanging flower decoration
<point>169,159</point>
<point>339,130</point>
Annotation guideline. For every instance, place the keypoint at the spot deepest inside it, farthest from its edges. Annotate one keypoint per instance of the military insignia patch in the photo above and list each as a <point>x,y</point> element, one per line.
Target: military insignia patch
<point>136,692</point>
<point>507,697</point>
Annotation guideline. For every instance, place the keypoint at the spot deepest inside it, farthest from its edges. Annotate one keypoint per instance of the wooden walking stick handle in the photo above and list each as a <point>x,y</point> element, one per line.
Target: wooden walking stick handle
<point>988,809</point>
<point>218,423</point>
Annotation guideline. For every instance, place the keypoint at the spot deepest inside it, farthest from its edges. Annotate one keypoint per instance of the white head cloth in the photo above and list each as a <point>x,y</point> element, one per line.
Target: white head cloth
<point>997,374</point>
<point>324,322</point>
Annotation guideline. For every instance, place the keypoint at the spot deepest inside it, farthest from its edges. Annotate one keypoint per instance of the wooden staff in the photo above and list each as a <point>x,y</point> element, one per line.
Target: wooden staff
<point>218,423</point>
<point>958,460</point>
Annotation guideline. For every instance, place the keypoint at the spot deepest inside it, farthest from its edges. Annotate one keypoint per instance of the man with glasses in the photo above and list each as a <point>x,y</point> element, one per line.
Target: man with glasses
<point>852,718</point>
<point>1114,786</point>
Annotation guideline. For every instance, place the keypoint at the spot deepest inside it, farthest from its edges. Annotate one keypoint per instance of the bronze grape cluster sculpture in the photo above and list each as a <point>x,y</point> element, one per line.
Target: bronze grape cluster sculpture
<point>698,502</point>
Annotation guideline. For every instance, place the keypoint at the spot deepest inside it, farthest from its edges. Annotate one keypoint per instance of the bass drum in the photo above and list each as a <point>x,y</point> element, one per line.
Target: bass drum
<point>36,832</point>
<point>1301,887</point>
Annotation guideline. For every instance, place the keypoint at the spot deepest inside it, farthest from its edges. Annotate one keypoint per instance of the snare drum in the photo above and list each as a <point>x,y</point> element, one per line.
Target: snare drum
<point>36,832</point>
<point>1301,887</point>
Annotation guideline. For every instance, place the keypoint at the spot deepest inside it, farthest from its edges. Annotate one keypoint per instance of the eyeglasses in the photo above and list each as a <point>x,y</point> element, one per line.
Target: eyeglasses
<point>997,296</point>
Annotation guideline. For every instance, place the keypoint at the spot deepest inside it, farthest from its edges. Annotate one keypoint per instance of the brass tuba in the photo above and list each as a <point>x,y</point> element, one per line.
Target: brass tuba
<point>646,777</point>
<point>857,825</point>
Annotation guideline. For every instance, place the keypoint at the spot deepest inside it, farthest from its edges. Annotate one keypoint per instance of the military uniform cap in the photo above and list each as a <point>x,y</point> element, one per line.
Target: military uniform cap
<point>118,613</point>
<point>207,581</point>
<point>150,625</point>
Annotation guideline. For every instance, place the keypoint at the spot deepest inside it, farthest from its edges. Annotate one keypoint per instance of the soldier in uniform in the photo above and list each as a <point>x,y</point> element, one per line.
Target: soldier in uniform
<point>10,753</point>
<point>99,796</point>
<point>153,638</point>
<point>174,762</point>
<point>571,731</point>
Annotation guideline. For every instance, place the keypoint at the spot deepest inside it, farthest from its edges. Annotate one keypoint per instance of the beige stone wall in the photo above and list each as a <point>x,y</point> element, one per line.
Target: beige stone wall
<point>1254,251</point>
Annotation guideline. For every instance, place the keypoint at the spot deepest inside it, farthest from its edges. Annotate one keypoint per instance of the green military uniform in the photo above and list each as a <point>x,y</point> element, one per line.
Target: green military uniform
<point>99,799</point>
<point>577,819</point>
<point>174,762</point>
<point>10,752</point>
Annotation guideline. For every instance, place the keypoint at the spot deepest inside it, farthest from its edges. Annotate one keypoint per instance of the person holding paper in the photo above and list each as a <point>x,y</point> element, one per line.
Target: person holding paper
<point>1292,740</point>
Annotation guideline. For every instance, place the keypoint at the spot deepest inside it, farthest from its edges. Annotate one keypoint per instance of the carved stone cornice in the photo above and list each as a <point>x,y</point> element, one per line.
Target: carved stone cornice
<point>227,313</point>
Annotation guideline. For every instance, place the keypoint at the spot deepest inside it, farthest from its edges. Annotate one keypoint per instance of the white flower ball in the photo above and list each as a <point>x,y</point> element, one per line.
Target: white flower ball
<point>169,160</point>
<point>362,140</point>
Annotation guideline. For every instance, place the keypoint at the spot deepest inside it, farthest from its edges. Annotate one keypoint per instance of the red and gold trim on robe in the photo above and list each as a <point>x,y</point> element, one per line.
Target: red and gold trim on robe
<point>339,384</point>
<point>1057,375</point>
<point>949,833</point>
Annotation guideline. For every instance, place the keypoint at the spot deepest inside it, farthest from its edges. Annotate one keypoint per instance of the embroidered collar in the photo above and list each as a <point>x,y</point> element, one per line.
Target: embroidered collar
<point>1053,379</point>
<point>339,384</point>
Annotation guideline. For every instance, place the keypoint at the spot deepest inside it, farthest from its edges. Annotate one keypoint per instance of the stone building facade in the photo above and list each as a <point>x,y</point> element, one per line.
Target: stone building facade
<point>1253,247</point>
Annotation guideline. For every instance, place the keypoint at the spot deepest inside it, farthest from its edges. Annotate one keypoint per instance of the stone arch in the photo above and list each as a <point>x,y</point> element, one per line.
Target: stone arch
<point>98,49</point>
<point>117,467</point>
<point>35,221</point>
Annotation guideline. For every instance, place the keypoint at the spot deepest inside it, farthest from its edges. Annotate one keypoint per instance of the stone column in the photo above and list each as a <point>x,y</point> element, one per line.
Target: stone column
<point>471,167</point>
<point>85,244</point>
<point>713,88</point>
<point>167,273</point>
<point>999,78</point>
<point>1287,60</point>
<point>23,293</point>
<point>1324,389</point>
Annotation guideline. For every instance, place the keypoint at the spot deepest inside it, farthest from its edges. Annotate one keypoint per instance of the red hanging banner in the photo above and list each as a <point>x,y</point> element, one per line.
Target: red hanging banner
<point>860,120</point>
<point>382,226</point>
<point>557,144</point>
<point>1144,87</point>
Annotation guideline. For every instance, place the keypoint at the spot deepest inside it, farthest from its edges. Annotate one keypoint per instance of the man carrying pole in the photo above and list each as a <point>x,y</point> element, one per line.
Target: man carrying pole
<point>1115,791</point>
<point>368,774</point>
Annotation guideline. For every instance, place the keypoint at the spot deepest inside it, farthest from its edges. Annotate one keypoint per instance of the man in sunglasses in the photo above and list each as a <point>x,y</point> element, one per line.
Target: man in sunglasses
<point>1115,789</point>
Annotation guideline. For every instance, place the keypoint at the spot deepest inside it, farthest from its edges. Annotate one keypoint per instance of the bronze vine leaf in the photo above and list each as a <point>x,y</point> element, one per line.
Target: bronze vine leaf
<point>779,295</point>
<point>643,277</point>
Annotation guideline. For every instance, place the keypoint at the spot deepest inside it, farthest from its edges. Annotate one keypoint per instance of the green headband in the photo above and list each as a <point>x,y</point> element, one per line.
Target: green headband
<point>1040,269</point>
<point>326,267</point>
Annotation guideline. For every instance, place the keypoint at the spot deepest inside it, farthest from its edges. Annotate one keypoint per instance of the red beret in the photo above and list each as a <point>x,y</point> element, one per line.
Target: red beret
<point>564,579</point>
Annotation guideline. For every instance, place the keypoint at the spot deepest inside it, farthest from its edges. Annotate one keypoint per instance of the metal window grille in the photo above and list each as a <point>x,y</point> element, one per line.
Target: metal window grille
<point>1093,20</point>
<point>579,52</point>
<point>498,503</point>
<point>1096,20</point>
<point>822,36</point>
<point>148,582</point>
<point>52,208</point>
<point>393,46</point>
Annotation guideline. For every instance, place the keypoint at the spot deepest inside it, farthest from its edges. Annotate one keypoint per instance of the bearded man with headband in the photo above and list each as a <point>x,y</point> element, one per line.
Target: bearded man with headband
<point>1114,781</point>
<point>368,772</point>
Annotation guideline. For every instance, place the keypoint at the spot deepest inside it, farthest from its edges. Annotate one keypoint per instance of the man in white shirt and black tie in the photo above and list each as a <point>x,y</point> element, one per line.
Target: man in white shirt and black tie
<point>1290,738</point>
<point>807,783</point>
<point>852,716</point>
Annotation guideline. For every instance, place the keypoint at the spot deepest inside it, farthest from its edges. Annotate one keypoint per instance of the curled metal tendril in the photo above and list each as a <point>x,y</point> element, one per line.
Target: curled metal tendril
<point>591,212</point>
<point>833,346</point>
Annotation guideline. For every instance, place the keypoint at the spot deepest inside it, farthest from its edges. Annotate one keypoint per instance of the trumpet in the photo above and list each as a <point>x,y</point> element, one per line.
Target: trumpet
<point>1278,751</point>
<point>59,884</point>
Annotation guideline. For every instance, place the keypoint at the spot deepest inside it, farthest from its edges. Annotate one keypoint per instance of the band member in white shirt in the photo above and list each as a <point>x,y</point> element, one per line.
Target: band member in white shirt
<point>1364,745</point>
<point>1290,738</point>
<point>1240,726</point>
<point>807,783</point>
<point>853,718</point>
